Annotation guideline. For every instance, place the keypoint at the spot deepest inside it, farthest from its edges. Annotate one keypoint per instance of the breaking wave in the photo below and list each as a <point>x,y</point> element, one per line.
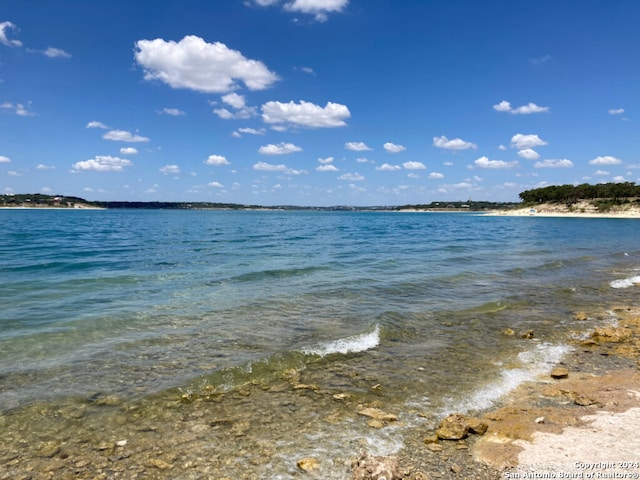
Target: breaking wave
<point>353,344</point>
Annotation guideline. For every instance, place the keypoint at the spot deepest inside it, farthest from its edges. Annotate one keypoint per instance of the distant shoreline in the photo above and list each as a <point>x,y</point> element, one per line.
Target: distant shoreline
<point>581,209</point>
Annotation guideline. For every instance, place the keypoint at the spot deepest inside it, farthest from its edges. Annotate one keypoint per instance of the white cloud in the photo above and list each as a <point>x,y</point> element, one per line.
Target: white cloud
<point>101,163</point>
<point>540,60</point>
<point>18,108</point>
<point>357,146</point>
<point>352,177</point>
<point>602,173</point>
<point>385,167</point>
<point>175,112</point>
<point>455,144</point>
<point>13,173</point>
<point>268,167</point>
<point>317,8</point>
<point>414,165</point>
<point>4,27</point>
<point>505,106</point>
<point>502,147</point>
<point>306,114</point>
<point>436,175</point>
<point>128,151</point>
<point>4,159</point>
<point>554,163</point>
<point>124,136</point>
<point>327,168</point>
<point>606,160</point>
<point>364,160</point>
<point>529,154</point>
<point>242,111</point>
<point>484,162</point>
<point>95,124</point>
<point>55,53</point>
<point>619,179</point>
<point>280,149</point>
<point>197,65</point>
<point>325,161</point>
<point>217,160</point>
<point>393,148</point>
<point>251,131</point>
<point>215,185</point>
<point>235,100</point>
<point>522,142</point>
<point>616,111</point>
<point>42,166</point>
<point>170,169</point>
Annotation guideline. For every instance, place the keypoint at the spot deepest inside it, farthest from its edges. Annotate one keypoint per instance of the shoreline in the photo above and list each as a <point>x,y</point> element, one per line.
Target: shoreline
<point>579,210</point>
<point>578,422</point>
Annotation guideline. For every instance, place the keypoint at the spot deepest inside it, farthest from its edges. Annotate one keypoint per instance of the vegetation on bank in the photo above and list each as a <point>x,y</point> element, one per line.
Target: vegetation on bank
<point>603,196</point>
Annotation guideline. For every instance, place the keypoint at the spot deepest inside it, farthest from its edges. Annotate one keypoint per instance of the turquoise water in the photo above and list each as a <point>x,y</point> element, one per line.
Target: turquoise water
<point>138,304</point>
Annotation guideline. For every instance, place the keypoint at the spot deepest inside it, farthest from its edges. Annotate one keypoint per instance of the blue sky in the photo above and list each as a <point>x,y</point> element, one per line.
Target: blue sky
<point>317,102</point>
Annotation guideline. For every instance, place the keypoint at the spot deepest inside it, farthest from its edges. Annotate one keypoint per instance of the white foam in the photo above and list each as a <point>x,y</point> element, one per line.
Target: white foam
<point>352,344</point>
<point>626,282</point>
<point>535,362</point>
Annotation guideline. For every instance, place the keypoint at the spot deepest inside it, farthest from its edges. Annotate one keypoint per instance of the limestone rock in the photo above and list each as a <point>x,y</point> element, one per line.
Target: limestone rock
<point>308,464</point>
<point>527,334</point>
<point>580,316</point>
<point>367,467</point>
<point>457,426</point>
<point>559,372</point>
<point>377,414</point>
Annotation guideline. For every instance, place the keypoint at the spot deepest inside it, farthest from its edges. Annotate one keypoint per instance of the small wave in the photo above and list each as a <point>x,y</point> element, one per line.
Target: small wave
<point>535,362</point>
<point>352,344</point>
<point>626,282</point>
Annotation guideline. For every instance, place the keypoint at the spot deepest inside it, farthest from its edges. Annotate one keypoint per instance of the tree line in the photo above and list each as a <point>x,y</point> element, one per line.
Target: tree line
<point>573,193</point>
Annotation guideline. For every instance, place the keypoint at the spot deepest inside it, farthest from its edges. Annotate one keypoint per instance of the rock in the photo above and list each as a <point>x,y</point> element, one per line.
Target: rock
<point>434,447</point>
<point>341,396</point>
<point>431,439</point>
<point>308,464</point>
<point>378,424</point>
<point>49,449</point>
<point>305,386</point>
<point>580,316</point>
<point>610,334</point>
<point>456,427</point>
<point>159,464</point>
<point>559,372</point>
<point>509,331</point>
<point>367,467</point>
<point>456,468</point>
<point>376,414</point>
<point>527,334</point>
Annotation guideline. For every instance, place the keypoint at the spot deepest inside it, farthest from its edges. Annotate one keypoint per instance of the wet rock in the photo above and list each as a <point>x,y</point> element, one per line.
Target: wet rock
<point>159,464</point>
<point>610,334</point>
<point>308,464</point>
<point>376,414</point>
<point>580,316</point>
<point>527,334</point>
<point>367,467</point>
<point>509,332</point>
<point>49,449</point>
<point>559,372</point>
<point>431,439</point>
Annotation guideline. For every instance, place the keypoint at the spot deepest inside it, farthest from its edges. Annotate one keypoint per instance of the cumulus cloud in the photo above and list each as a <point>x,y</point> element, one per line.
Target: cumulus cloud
<point>327,168</point>
<point>128,151</point>
<point>393,147</point>
<point>528,154</point>
<point>217,160</point>
<point>101,163</point>
<point>280,149</point>
<point>42,166</point>
<point>4,28</point>
<point>357,146</point>
<point>455,144</point>
<point>268,167</point>
<point>522,142</point>
<point>170,170</point>
<point>606,160</point>
<point>318,8</point>
<point>174,112</point>
<point>385,167</point>
<point>616,111</point>
<point>505,106</point>
<point>95,124</point>
<point>215,185</point>
<point>124,136</point>
<point>352,177</point>
<point>306,114</point>
<point>55,53</point>
<point>238,103</point>
<point>484,162</point>
<point>4,159</point>
<point>414,165</point>
<point>436,175</point>
<point>197,65</point>
<point>554,163</point>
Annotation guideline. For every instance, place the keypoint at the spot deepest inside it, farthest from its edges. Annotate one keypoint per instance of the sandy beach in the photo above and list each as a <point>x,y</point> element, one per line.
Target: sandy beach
<point>581,209</point>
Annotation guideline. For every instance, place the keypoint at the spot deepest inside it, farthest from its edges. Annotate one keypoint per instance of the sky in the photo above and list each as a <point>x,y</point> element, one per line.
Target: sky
<point>317,102</point>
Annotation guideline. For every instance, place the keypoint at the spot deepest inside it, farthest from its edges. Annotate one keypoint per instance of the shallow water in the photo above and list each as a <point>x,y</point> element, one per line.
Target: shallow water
<point>275,326</point>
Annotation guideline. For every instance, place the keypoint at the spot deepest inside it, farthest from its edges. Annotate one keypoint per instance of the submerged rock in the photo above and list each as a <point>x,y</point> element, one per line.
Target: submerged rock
<point>457,426</point>
<point>559,372</point>
<point>308,464</point>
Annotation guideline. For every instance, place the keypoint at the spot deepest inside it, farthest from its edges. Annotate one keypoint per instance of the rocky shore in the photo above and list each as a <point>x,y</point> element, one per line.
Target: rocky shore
<point>580,422</point>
